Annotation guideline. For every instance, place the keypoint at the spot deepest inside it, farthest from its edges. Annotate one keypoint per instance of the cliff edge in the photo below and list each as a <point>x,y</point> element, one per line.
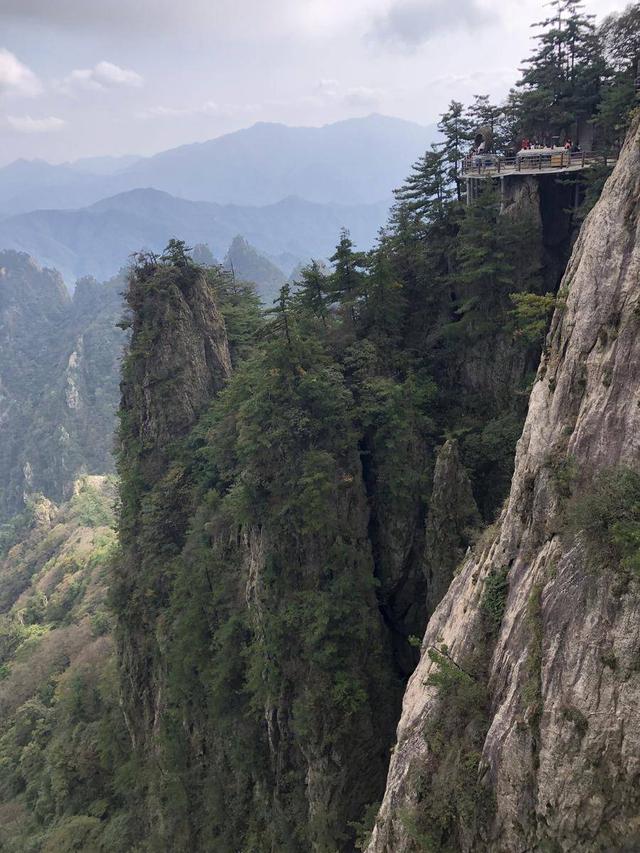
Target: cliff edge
<point>535,649</point>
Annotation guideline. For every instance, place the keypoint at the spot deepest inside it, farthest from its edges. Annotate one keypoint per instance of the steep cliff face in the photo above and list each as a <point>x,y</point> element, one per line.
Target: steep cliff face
<point>33,303</point>
<point>451,523</point>
<point>177,360</point>
<point>256,671</point>
<point>58,380</point>
<point>539,631</point>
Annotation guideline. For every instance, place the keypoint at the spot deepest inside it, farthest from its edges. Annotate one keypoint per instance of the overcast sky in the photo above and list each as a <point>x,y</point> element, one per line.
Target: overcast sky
<point>92,77</point>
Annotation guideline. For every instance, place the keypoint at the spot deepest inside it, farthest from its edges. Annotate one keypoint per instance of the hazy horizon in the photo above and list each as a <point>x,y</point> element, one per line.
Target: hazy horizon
<point>86,80</point>
<point>134,155</point>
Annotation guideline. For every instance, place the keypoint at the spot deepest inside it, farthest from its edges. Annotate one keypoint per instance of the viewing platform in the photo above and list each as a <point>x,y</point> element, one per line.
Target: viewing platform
<point>532,161</point>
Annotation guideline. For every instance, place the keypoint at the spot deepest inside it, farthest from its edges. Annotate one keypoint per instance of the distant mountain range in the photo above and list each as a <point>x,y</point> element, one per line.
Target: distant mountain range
<point>358,161</point>
<point>97,240</point>
<point>287,191</point>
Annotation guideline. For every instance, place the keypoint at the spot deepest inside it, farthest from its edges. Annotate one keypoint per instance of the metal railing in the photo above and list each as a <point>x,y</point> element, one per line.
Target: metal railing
<point>531,160</point>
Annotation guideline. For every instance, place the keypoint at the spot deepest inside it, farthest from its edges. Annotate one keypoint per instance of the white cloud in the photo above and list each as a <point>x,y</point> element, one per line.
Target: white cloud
<point>207,108</point>
<point>358,97</point>
<point>411,23</point>
<point>363,96</point>
<point>104,75</point>
<point>15,77</point>
<point>27,124</point>
<point>108,74</point>
<point>329,88</point>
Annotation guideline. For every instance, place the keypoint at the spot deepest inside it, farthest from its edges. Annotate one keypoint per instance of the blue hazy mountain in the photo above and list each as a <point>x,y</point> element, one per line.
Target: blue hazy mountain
<point>97,240</point>
<point>358,161</point>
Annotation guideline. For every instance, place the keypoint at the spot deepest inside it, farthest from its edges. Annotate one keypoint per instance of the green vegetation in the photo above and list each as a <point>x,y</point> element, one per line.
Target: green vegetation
<point>452,802</point>
<point>578,75</point>
<point>271,577</point>
<point>265,541</point>
<point>63,748</point>
<point>606,512</point>
<point>60,382</point>
<point>531,314</point>
<point>578,83</point>
<point>532,689</point>
<point>494,597</point>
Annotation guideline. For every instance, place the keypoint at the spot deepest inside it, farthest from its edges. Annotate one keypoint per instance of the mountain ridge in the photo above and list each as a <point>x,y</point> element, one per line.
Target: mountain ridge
<point>356,160</point>
<point>98,240</point>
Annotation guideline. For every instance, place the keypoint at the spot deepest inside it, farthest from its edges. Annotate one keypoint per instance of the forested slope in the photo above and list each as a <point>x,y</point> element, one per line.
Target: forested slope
<point>58,380</point>
<point>285,540</point>
<point>63,749</point>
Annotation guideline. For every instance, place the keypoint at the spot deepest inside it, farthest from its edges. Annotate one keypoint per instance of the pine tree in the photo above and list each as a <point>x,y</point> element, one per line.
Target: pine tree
<point>620,37</point>
<point>456,129</point>
<point>482,113</point>
<point>313,295</point>
<point>347,278</point>
<point>177,254</point>
<point>508,124</point>
<point>562,79</point>
<point>426,191</point>
<point>482,253</point>
<point>386,299</point>
<point>282,325</point>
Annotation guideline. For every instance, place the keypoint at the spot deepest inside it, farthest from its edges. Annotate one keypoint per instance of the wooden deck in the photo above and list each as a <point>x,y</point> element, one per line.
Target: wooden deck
<point>533,162</point>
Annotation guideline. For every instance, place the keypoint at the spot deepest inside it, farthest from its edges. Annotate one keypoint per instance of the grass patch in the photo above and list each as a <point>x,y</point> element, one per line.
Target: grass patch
<point>607,514</point>
<point>494,597</point>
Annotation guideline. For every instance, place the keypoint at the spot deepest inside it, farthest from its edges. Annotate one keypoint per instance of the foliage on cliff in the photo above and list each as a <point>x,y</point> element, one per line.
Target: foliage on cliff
<point>63,748</point>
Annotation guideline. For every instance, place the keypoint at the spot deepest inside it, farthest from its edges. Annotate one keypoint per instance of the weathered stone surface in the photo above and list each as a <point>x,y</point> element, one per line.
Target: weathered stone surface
<point>177,360</point>
<point>453,517</point>
<point>568,774</point>
<point>181,361</point>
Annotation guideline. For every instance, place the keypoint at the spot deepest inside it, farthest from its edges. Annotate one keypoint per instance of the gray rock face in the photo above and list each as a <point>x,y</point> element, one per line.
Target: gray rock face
<point>179,359</point>
<point>562,752</point>
<point>453,516</point>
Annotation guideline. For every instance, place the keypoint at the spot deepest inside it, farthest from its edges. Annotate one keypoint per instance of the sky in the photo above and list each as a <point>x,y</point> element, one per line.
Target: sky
<point>83,78</point>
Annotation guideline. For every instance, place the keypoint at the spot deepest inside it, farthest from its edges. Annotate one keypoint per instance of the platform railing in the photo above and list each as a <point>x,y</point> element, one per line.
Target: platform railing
<point>531,161</point>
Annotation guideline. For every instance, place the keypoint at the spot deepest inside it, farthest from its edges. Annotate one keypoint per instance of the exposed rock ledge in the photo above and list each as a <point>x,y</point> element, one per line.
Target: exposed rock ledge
<point>570,779</point>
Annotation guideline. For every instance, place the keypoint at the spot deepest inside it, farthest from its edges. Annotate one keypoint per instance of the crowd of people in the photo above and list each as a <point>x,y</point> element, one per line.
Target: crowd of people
<point>480,155</point>
<point>532,145</point>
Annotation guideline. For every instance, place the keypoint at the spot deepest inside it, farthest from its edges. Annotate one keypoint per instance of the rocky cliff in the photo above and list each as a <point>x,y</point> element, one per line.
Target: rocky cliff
<point>256,670</point>
<point>520,727</point>
<point>178,359</point>
<point>59,359</point>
